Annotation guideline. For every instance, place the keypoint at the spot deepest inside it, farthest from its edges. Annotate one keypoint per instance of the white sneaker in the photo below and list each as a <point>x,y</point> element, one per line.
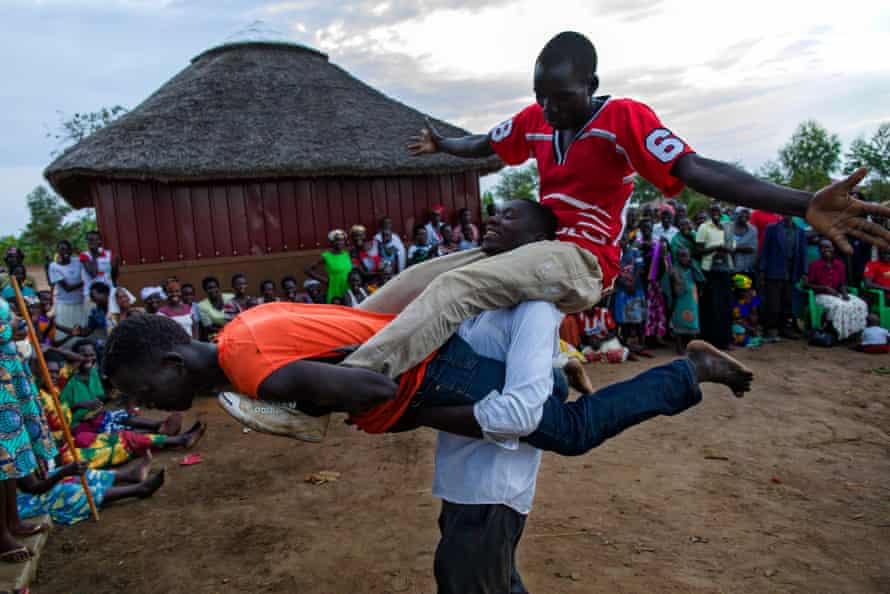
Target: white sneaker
<point>275,419</point>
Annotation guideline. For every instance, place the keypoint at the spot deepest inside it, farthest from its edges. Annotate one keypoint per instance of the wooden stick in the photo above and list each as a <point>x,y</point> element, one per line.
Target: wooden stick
<point>51,387</point>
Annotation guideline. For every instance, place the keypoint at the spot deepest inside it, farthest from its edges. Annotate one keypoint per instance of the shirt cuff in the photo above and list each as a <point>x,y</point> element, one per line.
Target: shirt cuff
<point>482,410</point>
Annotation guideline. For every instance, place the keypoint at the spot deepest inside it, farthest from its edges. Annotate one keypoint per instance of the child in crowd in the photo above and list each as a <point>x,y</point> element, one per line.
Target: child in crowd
<point>176,310</point>
<point>629,303</point>
<point>599,336</point>
<point>681,288</point>
<point>268,292</point>
<point>744,311</point>
<point>356,293</point>
<point>188,297</point>
<point>448,245</point>
<point>19,273</point>
<point>420,251</point>
<point>240,300</point>
<point>875,340</point>
<point>153,298</point>
<point>468,235</point>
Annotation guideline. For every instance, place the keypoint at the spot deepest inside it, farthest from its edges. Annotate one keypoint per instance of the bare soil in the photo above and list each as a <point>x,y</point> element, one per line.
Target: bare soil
<point>786,490</point>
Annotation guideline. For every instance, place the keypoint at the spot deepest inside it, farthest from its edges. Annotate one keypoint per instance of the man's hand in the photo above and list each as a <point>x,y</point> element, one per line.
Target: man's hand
<point>427,142</point>
<point>835,214</point>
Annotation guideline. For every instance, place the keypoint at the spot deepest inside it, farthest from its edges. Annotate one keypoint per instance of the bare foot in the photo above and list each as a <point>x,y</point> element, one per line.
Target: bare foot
<point>172,425</point>
<point>713,365</point>
<point>11,551</point>
<point>577,377</point>
<point>151,485</point>
<point>194,435</point>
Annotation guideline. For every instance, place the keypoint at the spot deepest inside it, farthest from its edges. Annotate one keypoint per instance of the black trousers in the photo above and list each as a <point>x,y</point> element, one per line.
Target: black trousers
<point>779,308</point>
<point>477,551</point>
<point>715,308</point>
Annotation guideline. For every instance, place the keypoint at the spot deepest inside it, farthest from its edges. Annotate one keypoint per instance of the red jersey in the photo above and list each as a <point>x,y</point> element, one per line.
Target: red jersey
<point>588,185</point>
<point>762,219</point>
<point>878,273</point>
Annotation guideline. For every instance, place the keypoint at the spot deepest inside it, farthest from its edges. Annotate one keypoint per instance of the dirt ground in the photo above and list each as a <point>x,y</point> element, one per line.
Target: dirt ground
<point>786,490</point>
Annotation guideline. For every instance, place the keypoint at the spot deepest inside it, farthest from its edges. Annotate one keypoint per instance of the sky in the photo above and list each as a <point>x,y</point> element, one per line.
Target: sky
<point>733,79</point>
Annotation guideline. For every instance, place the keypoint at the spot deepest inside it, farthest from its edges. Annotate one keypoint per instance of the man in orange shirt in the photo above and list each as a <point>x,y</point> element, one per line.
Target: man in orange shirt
<point>282,352</point>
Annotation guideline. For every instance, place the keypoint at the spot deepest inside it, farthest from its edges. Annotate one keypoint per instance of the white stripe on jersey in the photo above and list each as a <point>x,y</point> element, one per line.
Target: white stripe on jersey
<point>569,200</point>
<point>593,226</point>
<point>539,136</point>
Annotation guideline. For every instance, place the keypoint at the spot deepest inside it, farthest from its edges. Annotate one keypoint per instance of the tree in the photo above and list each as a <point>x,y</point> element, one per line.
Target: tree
<point>771,171</point>
<point>873,153</point>
<point>518,183</point>
<point>810,157</point>
<point>80,125</point>
<point>49,222</point>
<point>644,191</point>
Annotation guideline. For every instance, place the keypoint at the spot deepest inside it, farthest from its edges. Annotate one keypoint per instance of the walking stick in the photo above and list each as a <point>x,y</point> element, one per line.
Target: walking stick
<point>35,344</point>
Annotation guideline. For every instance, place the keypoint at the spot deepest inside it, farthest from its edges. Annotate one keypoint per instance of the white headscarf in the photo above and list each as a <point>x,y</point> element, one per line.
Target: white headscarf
<point>147,292</point>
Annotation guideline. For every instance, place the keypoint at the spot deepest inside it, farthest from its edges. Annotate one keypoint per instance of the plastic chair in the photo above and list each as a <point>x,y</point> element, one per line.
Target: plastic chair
<point>879,306</point>
<point>816,311</point>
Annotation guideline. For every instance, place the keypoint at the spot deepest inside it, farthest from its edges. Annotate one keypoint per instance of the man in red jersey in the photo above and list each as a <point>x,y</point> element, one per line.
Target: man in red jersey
<point>587,149</point>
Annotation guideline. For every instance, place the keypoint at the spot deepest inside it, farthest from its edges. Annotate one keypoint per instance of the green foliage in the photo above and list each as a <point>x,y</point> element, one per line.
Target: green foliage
<point>80,125</point>
<point>772,171</point>
<point>518,183</point>
<point>873,153</point>
<point>487,201</point>
<point>50,221</point>
<point>810,157</point>
<point>644,191</point>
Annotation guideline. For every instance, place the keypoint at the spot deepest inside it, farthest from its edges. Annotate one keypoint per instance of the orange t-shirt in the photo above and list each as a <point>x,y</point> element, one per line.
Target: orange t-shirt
<point>267,337</point>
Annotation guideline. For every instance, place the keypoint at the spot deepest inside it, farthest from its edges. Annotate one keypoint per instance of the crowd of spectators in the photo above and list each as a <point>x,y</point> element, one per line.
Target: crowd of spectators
<point>734,278</point>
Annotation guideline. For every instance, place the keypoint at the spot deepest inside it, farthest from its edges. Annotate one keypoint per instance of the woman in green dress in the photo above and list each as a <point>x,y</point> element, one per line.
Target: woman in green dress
<point>680,285</point>
<point>333,267</point>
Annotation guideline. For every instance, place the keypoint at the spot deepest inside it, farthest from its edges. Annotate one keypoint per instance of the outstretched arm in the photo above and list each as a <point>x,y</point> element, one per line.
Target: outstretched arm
<point>431,141</point>
<point>831,211</point>
<point>339,388</point>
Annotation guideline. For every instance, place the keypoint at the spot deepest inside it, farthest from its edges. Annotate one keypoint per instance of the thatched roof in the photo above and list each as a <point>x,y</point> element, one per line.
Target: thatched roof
<point>256,110</point>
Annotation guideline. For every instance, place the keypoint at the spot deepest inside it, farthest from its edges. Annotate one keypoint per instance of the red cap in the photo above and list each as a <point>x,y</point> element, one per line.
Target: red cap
<point>438,208</point>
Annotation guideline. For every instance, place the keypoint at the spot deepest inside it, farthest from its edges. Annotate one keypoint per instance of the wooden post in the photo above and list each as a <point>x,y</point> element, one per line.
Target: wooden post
<point>35,344</point>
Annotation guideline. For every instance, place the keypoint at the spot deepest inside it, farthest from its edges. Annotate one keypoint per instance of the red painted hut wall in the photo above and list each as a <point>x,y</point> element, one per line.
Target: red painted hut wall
<point>149,222</point>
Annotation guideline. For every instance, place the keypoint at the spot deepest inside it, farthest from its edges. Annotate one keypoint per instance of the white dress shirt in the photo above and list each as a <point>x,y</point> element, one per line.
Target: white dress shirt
<point>500,469</point>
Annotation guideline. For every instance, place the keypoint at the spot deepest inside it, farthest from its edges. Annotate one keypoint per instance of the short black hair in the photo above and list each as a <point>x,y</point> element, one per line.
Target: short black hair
<point>238,275</point>
<point>288,279</point>
<point>100,288</point>
<point>544,219</point>
<point>94,232</point>
<point>140,338</point>
<point>189,285</point>
<point>267,282</point>
<point>418,227</point>
<point>207,280</point>
<point>81,342</point>
<point>572,47</point>
<point>64,242</point>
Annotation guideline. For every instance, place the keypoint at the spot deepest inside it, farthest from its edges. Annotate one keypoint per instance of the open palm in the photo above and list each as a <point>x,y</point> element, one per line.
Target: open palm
<point>836,215</point>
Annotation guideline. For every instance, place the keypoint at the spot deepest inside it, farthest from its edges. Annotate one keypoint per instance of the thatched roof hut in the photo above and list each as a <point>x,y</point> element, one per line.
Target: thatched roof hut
<point>257,148</point>
<point>255,110</point>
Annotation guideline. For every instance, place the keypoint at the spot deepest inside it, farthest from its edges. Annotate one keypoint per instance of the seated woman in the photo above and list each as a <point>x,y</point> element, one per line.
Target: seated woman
<point>745,310</point>
<point>61,494</point>
<point>827,277</point>
<point>101,449</point>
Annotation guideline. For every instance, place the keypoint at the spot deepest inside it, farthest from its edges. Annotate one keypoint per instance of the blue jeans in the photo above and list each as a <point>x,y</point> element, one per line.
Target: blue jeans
<point>459,376</point>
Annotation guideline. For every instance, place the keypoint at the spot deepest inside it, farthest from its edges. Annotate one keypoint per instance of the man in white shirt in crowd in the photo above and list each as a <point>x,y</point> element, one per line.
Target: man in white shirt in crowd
<point>664,228</point>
